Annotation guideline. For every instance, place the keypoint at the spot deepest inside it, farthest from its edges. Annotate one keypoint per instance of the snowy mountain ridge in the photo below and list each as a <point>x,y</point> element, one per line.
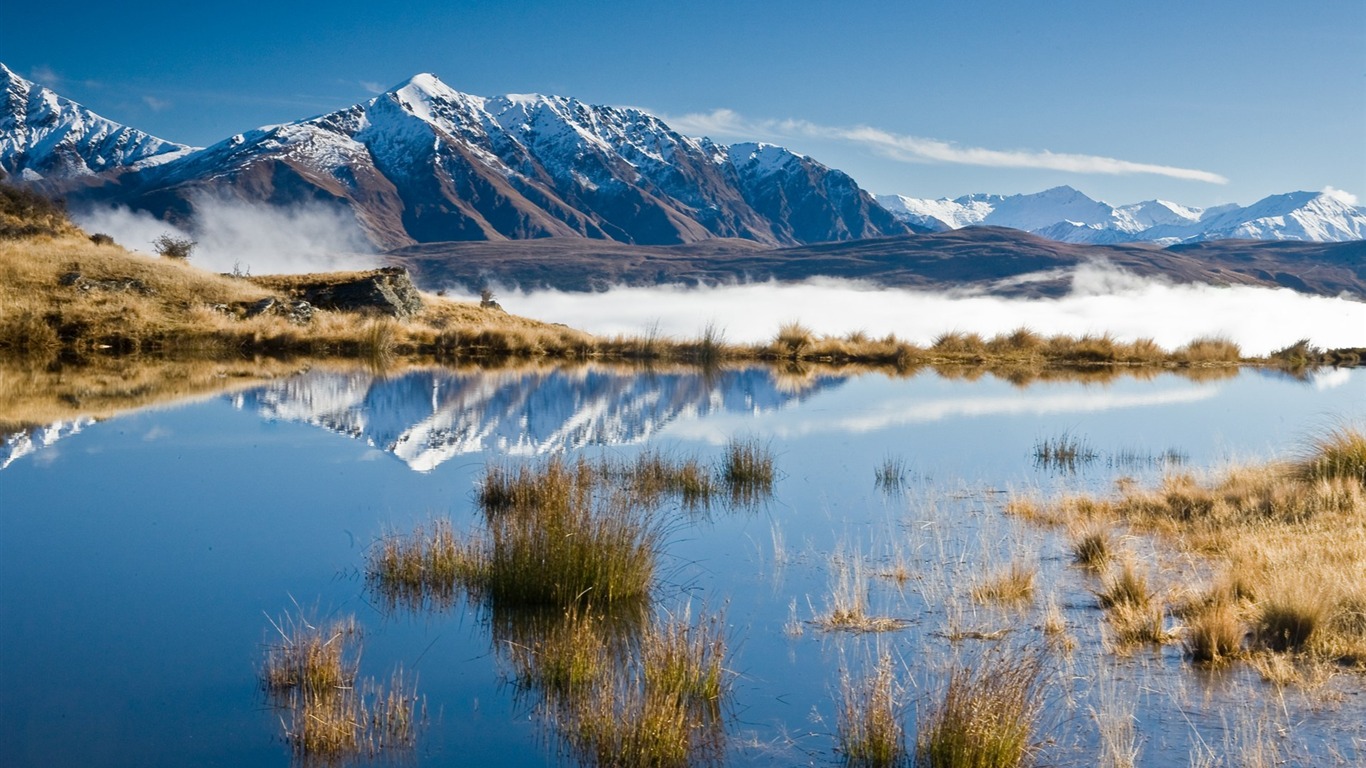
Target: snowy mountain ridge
<point>424,162</point>
<point>43,134</point>
<point>1065,214</point>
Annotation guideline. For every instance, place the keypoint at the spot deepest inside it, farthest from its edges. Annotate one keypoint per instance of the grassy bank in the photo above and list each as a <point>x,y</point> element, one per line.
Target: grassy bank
<point>67,297</point>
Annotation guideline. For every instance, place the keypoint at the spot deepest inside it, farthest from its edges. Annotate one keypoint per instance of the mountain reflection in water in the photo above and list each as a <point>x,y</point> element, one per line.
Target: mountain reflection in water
<point>427,417</point>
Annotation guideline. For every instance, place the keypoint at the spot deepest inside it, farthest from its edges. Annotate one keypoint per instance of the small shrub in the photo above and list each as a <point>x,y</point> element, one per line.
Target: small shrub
<point>171,247</point>
<point>100,238</point>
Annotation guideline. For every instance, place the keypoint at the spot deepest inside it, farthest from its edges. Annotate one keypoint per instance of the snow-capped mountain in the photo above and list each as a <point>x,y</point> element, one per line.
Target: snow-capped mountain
<point>425,418</point>
<point>1064,214</point>
<point>44,135</point>
<point>426,163</point>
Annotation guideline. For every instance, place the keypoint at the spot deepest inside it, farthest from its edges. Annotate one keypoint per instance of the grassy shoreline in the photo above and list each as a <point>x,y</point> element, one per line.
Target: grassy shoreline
<point>67,298</point>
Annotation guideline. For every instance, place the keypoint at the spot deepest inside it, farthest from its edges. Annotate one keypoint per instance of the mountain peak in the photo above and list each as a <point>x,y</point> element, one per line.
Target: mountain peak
<point>43,134</point>
<point>423,83</point>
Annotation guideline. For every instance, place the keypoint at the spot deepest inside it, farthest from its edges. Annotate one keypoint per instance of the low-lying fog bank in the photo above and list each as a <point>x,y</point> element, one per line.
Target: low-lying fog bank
<point>233,236</point>
<point>1260,320</point>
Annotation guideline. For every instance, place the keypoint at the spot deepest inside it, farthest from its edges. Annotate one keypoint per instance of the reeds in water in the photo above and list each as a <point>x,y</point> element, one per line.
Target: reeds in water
<point>870,729</point>
<point>986,714</point>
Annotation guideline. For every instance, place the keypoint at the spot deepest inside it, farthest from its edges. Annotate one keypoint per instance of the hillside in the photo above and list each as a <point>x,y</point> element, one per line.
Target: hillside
<point>996,260</point>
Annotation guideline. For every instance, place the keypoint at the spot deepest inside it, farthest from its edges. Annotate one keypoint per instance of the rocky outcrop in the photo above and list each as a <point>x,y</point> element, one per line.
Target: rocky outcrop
<point>388,290</point>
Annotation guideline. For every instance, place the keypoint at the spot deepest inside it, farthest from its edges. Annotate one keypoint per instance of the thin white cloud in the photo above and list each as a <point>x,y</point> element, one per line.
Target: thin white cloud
<point>45,75</point>
<point>156,104</point>
<point>1342,194</point>
<point>914,149</point>
<point>371,86</point>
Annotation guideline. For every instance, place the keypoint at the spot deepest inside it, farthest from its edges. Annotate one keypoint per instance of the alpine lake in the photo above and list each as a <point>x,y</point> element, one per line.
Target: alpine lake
<point>153,558</point>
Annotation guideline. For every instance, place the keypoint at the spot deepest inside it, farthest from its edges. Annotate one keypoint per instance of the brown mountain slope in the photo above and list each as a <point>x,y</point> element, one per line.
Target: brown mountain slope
<point>996,260</point>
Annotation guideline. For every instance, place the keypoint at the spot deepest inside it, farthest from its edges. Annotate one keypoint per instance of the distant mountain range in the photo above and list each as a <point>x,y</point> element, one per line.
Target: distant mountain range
<point>1066,215</point>
<point>425,163</point>
<point>544,190</point>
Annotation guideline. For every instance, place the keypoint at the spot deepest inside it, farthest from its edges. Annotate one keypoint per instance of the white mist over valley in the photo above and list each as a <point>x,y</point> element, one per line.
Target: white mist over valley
<point>1101,301</point>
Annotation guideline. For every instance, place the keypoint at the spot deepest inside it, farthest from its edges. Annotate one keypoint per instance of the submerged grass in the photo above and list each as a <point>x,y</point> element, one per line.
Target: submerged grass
<point>1013,584</point>
<point>986,714</point>
<point>331,714</point>
<point>747,470</point>
<point>870,728</point>
<point>660,708</point>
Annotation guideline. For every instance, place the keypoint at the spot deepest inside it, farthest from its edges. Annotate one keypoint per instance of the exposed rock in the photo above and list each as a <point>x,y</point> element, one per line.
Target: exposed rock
<point>113,285</point>
<point>297,312</point>
<point>388,290</point>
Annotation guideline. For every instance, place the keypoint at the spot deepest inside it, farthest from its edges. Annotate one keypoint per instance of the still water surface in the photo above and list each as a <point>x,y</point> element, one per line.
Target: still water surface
<point>141,557</point>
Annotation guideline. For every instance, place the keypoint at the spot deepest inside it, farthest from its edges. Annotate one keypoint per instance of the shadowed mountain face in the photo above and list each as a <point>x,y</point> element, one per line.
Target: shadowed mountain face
<point>428,417</point>
<point>425,163</point>
<point>995,260</point>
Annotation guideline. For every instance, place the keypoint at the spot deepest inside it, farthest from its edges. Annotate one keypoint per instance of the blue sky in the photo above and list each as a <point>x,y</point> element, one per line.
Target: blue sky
<point>1201,103</point>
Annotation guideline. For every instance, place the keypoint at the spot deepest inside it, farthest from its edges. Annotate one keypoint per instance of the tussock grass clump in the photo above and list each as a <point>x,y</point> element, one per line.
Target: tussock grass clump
<point>1066,452</point>
<point>1209,349</point>
<point>603,551</point>
<point>334,715</point>
<point>1091,545</point>
<point>1289,616</point>
<point>1125,586</point>
<point>1134,612</point>
<point>661,708</point>
<point>312,657</point>
<point>1339,455</point>
<point>792,338</point>
<point>869,728</point>
<point>1013,584</point>
<point>1213,633</point>
<point>847,603</point>
<point>425,568</point>
<point>654,475</point>
<point>552,536</point>
<point>747,470</point>
<point>986,715</point>
<point>552,486</point>
<point>561,652</point>
<point>958,343</point>
<point>890,475</point>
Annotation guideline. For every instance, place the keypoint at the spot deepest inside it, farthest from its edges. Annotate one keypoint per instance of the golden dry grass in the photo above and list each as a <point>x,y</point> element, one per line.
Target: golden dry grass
<point>1013,584</point>
<point>1288,543</point>
<point>986,714</point>
<point>141,303</point>
<point>870,727</point>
